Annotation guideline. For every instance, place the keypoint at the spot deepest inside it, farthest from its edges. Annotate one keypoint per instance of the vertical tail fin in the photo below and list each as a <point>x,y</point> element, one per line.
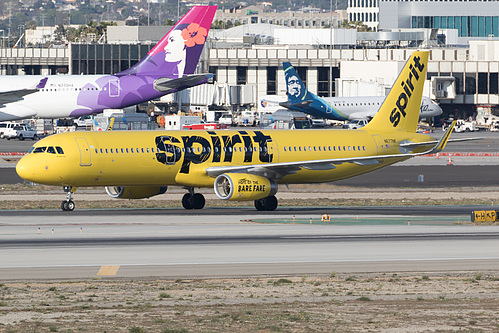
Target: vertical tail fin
<point>400,110</point>
<point>296,90</point>
<point>177,53</point>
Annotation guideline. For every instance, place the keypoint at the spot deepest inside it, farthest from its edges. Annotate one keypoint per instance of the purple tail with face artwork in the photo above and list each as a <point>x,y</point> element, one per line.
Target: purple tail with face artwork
<point>177,54</point>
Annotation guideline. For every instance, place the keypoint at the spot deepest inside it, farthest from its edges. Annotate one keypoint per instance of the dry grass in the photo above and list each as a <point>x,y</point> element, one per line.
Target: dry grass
<point>436,302</point>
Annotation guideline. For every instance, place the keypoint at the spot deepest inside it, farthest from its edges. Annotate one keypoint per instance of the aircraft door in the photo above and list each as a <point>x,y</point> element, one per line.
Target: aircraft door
<point>379,144</point>
<point>85,157</point>
<point>272,151</point>
<point>114,88</point>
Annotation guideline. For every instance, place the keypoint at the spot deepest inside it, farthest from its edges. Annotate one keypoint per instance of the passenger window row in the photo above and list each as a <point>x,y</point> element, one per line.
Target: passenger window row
<point>169,149</point>
<point>71,89</point>
<point>125,150</point>
<point>325,148</point>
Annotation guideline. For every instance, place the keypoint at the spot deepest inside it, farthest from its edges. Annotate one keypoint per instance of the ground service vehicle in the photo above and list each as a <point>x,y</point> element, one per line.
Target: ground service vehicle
<point>21,132</point>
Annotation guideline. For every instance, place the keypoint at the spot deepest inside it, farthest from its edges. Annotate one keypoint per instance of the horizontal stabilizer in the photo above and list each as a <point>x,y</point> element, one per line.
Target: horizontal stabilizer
<point>289,104</point>
<point>169,85</point>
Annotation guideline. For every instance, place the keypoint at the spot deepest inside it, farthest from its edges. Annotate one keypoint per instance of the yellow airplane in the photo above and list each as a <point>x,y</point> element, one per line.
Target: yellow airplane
<point>241,165</point>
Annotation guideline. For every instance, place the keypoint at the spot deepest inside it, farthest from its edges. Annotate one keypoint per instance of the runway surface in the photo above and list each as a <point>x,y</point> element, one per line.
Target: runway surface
<point>223,242</point>
<point>131,244</point>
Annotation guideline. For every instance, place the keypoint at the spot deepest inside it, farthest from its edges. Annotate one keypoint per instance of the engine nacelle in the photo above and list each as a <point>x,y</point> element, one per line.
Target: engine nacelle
<point>135,192</point>
<point>243,187</point>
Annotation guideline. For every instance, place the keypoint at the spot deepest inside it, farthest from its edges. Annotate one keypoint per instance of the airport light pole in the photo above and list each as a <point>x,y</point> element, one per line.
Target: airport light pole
<point>331,50</point>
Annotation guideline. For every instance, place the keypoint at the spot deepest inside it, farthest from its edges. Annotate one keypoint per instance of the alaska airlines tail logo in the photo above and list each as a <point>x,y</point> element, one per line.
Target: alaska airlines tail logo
<point>415,71</point>
<point>295,88</point>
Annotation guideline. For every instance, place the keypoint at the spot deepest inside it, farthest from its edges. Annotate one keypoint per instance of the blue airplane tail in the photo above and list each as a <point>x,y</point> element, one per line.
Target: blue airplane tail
<point>297,91</point>
<point>300,99</point>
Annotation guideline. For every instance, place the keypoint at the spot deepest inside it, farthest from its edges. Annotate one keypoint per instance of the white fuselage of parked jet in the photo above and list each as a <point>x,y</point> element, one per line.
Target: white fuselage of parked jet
<point>365,107</point>
<point>56,98</point>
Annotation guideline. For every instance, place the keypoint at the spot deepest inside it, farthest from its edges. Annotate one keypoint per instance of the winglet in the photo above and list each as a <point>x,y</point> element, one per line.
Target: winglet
<point>443,140</point>
<point>42,83</point>
<point>111,124</point>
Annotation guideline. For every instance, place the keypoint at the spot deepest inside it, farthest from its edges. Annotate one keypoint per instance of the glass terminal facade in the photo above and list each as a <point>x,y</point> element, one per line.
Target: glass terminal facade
<point>90,59</point>
<point>467,26</point>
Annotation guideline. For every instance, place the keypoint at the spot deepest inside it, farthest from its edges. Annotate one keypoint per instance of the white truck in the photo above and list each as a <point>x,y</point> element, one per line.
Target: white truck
<point>486,119</point>
<point>355,124</point>
<point>6,126</point>
<point>463,126</point>
<point>84,122</point>
<point>246,118</point>
<point>21,132</point>
<point>225,119</point>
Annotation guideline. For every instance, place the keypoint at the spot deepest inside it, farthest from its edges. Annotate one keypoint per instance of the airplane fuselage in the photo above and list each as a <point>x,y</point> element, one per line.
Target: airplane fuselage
<point>362,107</point>
<point>76,95</point>
<point>151,158</point>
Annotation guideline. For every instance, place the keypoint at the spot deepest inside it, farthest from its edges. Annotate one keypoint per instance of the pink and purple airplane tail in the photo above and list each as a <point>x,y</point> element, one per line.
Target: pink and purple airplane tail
<point>177,54</point>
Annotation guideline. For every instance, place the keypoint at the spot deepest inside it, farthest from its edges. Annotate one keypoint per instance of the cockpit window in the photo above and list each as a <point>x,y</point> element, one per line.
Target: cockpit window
<point>59,150</point>
<point>51,150</point>
<point>39,150</point>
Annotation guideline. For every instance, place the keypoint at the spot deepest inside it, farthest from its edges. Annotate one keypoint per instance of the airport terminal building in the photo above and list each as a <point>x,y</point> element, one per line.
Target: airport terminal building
<point>247,61</point>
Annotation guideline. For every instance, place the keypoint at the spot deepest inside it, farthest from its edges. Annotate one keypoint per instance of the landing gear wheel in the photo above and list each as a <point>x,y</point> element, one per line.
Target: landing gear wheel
<point>259,205</point>
<point>266,204</point>
<point>186,201</point>
<point>270,203</point>
<point>68,205</point>
<point>197,201</point>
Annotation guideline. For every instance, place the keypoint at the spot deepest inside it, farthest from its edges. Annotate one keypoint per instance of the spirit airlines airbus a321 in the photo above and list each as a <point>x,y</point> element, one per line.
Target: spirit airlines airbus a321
<point>168,67</point>
<point>240,165</point>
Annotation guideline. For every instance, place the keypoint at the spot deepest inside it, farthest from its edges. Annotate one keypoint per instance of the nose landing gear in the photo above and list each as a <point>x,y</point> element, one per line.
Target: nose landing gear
<point>68,205</point>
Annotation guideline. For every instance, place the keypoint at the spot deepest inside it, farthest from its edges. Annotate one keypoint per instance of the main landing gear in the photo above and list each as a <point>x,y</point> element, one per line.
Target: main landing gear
<point>266,204</point>
<point>193,200</point>
<point>68,205</point>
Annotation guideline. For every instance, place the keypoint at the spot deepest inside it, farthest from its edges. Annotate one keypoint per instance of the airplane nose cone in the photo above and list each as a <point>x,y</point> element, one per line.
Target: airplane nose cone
<point>24,170</point>
<point>438,109</point>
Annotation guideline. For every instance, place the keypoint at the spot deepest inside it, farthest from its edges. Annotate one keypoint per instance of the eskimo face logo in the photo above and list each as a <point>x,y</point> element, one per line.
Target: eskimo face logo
<point>294,88</point>
<point>398,112</point>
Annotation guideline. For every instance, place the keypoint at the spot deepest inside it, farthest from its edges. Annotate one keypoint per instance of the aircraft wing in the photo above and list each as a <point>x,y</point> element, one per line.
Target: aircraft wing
<point>279,170</point>
<point>168,85</point>
<point>360,115</point>
<point>430,143</point>
<point>15,95</point>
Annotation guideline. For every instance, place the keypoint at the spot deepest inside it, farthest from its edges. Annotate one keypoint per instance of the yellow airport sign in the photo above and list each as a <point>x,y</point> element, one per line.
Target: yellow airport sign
<point>484,216</point>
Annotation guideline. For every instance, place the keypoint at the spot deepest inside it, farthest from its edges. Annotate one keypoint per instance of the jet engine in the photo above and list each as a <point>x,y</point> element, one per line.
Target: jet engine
<point>135,192</point>
<point>243,187</point>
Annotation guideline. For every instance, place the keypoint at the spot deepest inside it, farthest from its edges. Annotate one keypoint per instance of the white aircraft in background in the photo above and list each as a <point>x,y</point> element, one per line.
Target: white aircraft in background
<point>340,108</point>
<point>168,67</point>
